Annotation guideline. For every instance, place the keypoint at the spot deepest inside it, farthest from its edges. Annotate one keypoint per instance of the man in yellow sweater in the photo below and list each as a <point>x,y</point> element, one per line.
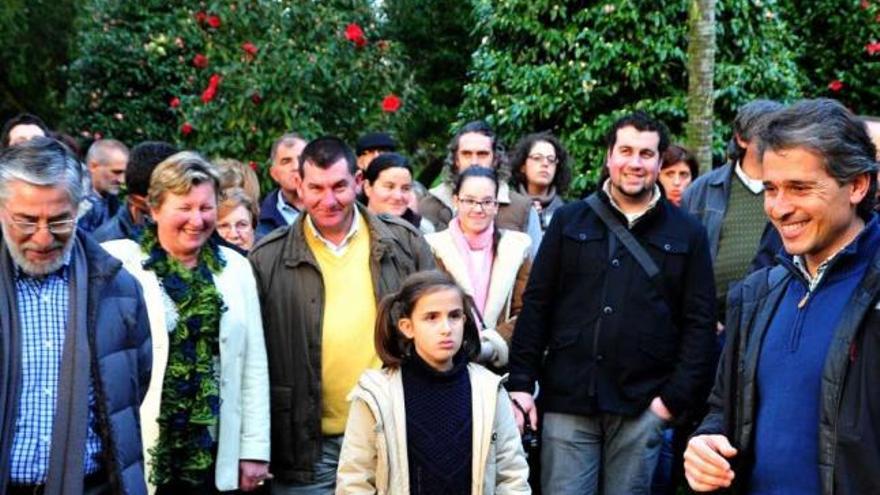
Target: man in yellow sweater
<point>320,281</point>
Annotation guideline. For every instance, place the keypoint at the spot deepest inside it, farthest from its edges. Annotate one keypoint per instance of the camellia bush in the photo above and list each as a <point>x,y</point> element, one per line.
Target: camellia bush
<point>573,70</point>
<point>227,78</point>
<point>840,49</point>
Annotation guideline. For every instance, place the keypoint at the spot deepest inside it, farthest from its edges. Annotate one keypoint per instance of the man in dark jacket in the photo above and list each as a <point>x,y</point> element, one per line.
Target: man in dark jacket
<point>75,352</point>
<point>319,282</point>
<point>793,409</point>
<point>129,220</point>
<point>282,205</point>
<point>618,353</point>
<point>729,202</point>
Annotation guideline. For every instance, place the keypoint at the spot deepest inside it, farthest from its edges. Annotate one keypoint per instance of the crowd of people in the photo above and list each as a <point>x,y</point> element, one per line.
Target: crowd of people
<point>166,327</point>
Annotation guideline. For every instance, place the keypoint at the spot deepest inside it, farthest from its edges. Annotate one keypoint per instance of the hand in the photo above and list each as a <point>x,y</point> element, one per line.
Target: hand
<point>252,474</point>
<point>719,328</point>
<point>659,408</point>
<point>705,466</point>
<point>527,402</point>
<point>537,205</point>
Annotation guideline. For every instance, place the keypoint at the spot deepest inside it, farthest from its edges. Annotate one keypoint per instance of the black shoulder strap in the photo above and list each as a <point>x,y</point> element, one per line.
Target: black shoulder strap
<point>622,233</point>
<point>632,245</point>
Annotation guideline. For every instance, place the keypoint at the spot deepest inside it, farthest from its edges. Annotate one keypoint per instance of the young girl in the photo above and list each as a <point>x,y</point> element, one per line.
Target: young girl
<point>430,421</point>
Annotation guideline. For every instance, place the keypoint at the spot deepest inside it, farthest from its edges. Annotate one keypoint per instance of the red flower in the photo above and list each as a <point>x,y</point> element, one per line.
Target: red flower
<point>865,4</point>
<point>98,135</point>
<point>253,165</point>
<point>835,85</point>
<point>186,128</point>
<point>391,103</point>
<point>256,98</point>
<point>214,21</point>
<point>211,91</point>
<point>200,61</point>
<point>201,16</point>
<point>175,102</point>
<point>873,48</point>
<point>249,48</point>
<point>355,34</point>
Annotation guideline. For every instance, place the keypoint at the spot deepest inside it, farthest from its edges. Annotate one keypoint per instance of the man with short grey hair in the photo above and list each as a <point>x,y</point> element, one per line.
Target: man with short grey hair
<point>106,161</point>
<point>795,408</point>
<point>75,353</point>
<point>282,206</point>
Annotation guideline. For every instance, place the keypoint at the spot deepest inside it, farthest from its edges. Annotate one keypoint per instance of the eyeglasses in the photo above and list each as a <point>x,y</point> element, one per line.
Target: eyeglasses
<point>470,204</point>
<point>240,226</point>
<point>537,157</point>
<point>61,227</point>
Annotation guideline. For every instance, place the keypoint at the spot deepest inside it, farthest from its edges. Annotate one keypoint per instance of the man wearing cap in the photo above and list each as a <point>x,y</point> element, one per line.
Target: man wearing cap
<point>371,145</point>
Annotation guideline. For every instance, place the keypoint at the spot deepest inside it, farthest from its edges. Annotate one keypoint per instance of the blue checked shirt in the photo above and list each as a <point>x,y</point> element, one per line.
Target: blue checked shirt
<point>42,305</point>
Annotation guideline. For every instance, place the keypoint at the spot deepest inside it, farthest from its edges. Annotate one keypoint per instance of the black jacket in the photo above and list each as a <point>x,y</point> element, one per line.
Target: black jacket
<point>849,424</point>
<point>612,340</point>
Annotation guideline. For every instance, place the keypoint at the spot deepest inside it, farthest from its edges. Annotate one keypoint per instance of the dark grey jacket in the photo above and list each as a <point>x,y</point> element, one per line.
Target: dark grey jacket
<point>291,292</point>
<point>849,425</point>
<point>707,200</point>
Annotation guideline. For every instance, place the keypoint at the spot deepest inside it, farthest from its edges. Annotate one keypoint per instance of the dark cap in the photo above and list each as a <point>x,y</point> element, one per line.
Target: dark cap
<point>375,141</point>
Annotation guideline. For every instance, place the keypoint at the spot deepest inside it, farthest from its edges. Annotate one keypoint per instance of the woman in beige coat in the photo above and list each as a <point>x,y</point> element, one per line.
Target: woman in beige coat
<point>430,419</point>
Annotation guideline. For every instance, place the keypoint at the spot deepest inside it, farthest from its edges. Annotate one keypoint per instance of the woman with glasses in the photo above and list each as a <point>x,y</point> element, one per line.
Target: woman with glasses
<point>540,171</point>
<point>491,264</point>
<point>237,218</point>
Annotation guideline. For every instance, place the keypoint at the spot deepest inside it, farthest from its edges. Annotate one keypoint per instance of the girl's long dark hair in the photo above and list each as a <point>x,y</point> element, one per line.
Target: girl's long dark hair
<point>392,346</point>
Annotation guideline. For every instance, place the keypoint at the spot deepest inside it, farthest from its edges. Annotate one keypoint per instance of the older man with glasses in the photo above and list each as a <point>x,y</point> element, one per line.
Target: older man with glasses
<point>71,376</point>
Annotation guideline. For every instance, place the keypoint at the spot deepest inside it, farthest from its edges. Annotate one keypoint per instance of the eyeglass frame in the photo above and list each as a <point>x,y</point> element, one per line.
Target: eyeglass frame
<point>471,204</point>
<point>538,157</point>
<point>58,227</point>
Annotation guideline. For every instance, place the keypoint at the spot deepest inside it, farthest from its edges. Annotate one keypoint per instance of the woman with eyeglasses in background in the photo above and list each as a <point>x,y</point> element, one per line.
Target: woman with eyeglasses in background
<point>491,264</point>
<point>541,172</point>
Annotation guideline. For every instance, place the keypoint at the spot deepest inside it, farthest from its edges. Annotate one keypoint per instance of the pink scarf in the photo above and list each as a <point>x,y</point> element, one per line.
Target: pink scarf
<point>477,253</point>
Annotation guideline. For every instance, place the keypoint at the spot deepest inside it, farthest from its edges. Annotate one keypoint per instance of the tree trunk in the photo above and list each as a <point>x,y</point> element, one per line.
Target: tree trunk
<point>701,69</point>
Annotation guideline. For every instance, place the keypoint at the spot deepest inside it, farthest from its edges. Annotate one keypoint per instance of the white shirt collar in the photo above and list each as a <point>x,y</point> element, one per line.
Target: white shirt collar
<point>337,250</point>
<point>754,185</point>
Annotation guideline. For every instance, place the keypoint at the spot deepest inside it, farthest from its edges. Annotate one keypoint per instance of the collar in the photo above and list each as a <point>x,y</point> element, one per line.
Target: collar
<point>283,204</point>
<point>544,199</point>
<point>342,246</point>
<point>754,185</point>
<point>858,251</point>
<point>632,218</point>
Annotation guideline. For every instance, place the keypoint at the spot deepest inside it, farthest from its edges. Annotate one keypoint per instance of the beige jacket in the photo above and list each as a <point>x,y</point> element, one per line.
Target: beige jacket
<point>374,456</point>
<point>510,272</point>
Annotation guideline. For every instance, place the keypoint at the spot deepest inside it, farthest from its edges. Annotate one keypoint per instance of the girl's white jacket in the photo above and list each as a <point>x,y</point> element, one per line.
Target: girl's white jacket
<point>374,454</point>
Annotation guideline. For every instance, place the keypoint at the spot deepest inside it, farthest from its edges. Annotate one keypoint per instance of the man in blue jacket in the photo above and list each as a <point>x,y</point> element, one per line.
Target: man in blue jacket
<point>75,352</point>
<point>795,409</point>
<point>619,336</point>
<point>282,205</point>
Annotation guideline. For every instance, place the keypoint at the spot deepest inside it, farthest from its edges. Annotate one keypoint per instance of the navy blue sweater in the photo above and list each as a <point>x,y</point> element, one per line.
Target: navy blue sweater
<point>790,368</point>
<point>439,420</point>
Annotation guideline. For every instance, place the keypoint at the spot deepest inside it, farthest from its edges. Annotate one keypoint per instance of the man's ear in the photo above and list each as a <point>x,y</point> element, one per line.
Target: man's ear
<point>860,186</point>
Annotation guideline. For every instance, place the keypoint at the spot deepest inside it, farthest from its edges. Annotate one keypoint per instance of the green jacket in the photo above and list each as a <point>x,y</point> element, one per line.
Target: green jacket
<point>291,291</point>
